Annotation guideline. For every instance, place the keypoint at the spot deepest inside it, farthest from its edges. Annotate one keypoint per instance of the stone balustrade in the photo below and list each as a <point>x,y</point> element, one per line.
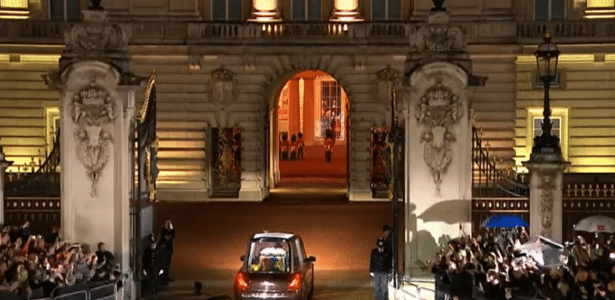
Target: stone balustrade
<point>567,31</point>
<point>385,33</point>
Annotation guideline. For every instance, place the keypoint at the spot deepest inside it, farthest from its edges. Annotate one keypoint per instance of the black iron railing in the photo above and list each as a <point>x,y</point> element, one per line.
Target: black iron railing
<point>52,161</point>
<point>487,179</point>
<point>42,182</point>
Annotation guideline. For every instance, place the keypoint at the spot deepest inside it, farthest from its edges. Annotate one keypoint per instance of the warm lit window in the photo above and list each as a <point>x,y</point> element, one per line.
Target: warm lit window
<point>226,10</point>
<point>306,10</point>
<point>600,9</point>
<point>555,126</point>
<point>559,128</point>
<point>14,9</point>
<point>386,10</point>
<point>331,108</point>
<point>64,10</point>
<point>14,3</point>
<point>549,10</point>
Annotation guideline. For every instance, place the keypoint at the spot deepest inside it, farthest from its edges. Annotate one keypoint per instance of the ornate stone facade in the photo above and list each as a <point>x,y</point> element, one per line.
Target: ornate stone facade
<point>438,111</point>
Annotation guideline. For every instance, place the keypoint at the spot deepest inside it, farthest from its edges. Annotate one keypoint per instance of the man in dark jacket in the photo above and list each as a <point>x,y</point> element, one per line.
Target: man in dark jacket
<point>151,266</point>
<point>388,241</point>
<point>463,284</point>
<point>380,265</point>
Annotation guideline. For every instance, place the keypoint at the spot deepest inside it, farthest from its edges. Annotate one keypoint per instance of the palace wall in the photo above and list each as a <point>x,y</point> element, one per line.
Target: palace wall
<point>185,112</point>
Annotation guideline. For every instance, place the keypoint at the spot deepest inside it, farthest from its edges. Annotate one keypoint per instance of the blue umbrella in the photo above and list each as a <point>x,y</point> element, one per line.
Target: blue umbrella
<point>504,221</point>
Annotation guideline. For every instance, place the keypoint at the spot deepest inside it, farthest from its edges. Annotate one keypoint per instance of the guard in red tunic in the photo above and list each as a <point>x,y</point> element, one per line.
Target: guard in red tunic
<point>328,143</point>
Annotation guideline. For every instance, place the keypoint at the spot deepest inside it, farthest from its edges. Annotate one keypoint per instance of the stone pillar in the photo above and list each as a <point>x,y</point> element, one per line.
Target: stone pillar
<point>546,198</point>
<point>265,11</point>
<point>346,11</point>
<point>438,132</point>
<point>97,111</point>
<point>3,165</point>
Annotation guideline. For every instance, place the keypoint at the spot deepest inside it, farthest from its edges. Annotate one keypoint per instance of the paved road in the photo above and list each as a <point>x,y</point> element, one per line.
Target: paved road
<point>214,235</point>
<point>210,237</point>
<point>337,285</point>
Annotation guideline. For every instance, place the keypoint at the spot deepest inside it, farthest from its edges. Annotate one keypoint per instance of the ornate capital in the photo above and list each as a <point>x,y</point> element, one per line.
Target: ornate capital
<point>95,33</point>
<point>438,35</point>
<point>438,110</point>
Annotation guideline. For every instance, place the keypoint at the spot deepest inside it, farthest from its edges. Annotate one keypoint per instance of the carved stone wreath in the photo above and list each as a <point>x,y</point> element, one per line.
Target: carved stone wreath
<point>438,110</point>
<point>92,108</point>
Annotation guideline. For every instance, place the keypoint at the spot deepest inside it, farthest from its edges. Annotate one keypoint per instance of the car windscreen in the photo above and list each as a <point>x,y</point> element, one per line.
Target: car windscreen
<point>269,255</point>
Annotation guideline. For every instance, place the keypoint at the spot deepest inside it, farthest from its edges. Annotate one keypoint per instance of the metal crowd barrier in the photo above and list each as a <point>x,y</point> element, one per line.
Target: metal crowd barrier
<point>107,291</point>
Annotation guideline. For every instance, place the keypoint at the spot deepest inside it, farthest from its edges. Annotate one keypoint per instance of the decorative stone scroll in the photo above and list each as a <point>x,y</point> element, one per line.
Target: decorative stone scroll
<point>547,186</point>
<point>92,108</point>
<point>438,110</point>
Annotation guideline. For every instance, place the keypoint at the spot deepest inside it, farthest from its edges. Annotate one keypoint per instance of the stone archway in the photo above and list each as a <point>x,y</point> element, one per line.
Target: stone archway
<point>310,102</point>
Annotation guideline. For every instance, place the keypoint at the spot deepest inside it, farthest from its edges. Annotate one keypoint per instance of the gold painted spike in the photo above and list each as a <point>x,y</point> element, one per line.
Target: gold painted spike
<point>146,96</point>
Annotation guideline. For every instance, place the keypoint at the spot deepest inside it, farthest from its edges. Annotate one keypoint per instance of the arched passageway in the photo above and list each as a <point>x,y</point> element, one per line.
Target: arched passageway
<point>309,137</point>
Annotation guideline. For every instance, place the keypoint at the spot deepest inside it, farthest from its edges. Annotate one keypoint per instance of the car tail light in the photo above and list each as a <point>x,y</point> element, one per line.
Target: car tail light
<point>241,282</point>
<point>295,283</point>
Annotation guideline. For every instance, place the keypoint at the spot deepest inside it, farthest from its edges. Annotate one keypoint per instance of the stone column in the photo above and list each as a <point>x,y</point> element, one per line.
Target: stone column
<point>546,198</point>
<point>97,104</point>
<point>438,139</point>
<point>3,165</point>
<point>265,11</point>
<point>346,11</point>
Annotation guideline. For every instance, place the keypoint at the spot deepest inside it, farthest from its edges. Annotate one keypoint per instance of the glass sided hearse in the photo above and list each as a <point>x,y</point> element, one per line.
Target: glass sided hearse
<point>275,267</point>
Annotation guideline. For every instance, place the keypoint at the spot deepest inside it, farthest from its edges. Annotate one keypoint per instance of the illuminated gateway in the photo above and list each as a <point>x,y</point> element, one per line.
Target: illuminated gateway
<point>234,76</point>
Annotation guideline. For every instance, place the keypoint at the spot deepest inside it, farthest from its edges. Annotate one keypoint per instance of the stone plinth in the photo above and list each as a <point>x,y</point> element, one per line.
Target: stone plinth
<point>546,197</point>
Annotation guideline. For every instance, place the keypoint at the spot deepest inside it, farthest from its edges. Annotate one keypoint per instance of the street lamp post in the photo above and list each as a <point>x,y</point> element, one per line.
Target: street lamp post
<point>546,146</point>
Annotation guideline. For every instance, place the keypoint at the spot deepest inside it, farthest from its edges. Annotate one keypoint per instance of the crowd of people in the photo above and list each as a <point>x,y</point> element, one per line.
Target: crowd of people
<point>492,265</point>
<point>36,266</point>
